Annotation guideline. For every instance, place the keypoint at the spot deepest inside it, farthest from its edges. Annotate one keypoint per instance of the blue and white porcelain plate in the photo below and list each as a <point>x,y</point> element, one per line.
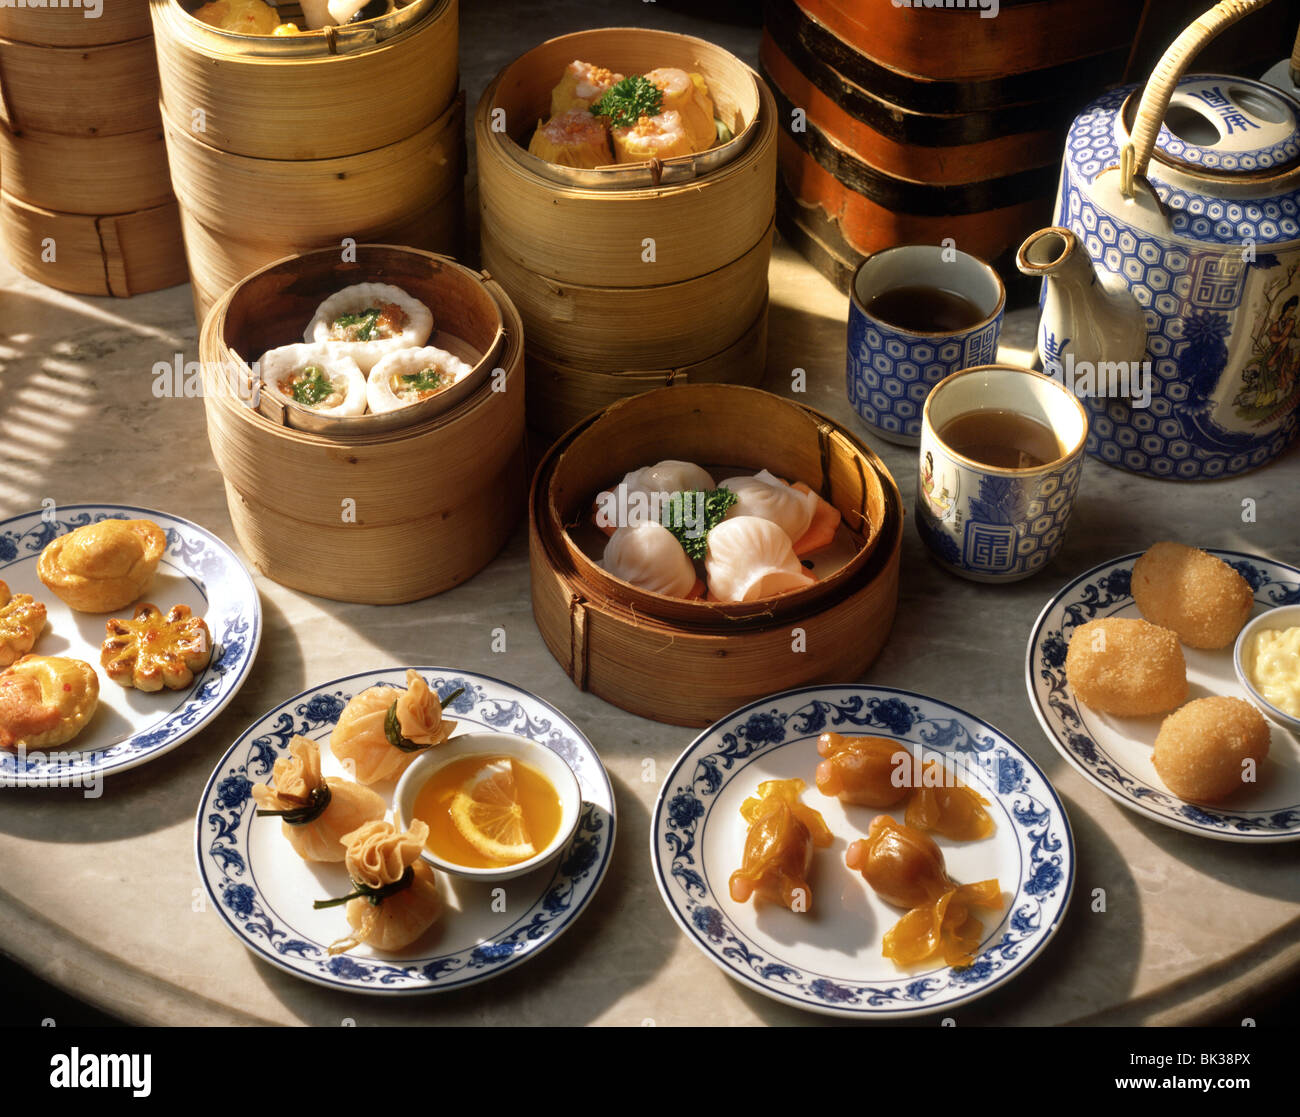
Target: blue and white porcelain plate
<point>1114,753</point>
<point>130,726</point>
<point>829,959</point>
<point>264,890</point>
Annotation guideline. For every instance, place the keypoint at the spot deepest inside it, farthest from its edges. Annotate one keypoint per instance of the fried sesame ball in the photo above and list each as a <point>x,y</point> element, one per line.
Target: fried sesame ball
<point>1126,666</point>
<point>1199,596</point>
<point>1200,750</point>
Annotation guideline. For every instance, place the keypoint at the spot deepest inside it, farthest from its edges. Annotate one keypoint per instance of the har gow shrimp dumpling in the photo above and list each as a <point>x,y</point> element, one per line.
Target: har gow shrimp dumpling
<point>748,559</point>
<point>1194,593</point>
<point>1126,666</point>
<point>650,557</point>
<point>368,321</point>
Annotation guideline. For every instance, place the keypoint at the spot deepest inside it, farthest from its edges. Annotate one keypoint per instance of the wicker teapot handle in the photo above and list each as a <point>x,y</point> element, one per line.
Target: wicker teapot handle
<point>1164,80</point>
<point>1295,59</point>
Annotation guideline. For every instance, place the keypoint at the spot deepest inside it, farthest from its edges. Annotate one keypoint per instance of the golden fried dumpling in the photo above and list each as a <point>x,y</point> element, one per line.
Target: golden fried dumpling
<point>572,139</point>
<point>1211,748</point>
<point>315,813</point>
<point>103,566</point>
<point>1126,666</point>
<point>364,737</point>
<point>21,619</point>
<point>45,701</point>
<point>581,87</point>
<point>153,651</point>
<point>779,846</point>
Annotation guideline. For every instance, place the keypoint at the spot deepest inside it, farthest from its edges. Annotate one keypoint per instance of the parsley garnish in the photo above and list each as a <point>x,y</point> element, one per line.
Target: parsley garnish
<point>426,380</point>
<point>683,513</point>
<point>364,320</point>
<point>629,100</point>
<point>312,386</point>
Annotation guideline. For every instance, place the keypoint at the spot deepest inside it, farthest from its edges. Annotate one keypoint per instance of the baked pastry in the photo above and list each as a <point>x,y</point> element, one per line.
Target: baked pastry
<point>45,701</point>
<point>152,651</point>
<point>21,619</point>
<point>103,566</point>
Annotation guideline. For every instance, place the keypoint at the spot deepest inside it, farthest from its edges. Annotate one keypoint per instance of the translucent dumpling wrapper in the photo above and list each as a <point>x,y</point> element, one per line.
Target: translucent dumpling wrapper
<point>377,857</point>
<point>864,771</point>
<point>749,559</point>
<point>369,321</point>
<point>573,138</point>
<point>778,854</point>
<point>582,85</point>
<point>653,137</point>
<point>687,94</point>
<point>361,739</point>
<point>319,376</point>
<point>412,376</point>
<point>319,811</point>
<point>643,493</point>
<point>953,810</point>
<point>650,557</point>
<point>769,498</point>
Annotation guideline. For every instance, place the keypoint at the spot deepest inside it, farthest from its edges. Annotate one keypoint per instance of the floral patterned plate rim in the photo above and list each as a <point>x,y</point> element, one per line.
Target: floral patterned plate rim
<point>131,727</point>
<point>264,890</point>
<point>1114,753</point>
<point>834,964</point>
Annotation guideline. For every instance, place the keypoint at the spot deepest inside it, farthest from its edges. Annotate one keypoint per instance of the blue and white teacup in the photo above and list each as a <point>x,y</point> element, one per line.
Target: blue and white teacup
<point>987,523</point>
<point>891,370</point>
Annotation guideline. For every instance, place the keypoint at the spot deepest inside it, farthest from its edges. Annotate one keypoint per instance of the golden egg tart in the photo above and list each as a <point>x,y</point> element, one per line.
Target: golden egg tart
<point>152,651</point>
<point>21,619</point>
<point>105,566</point>
<point>45,701</point>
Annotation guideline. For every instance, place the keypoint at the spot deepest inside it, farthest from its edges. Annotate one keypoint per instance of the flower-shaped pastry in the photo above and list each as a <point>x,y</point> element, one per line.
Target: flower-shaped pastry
<point>103,566</point>
<point>45,701</point>
<point>152,651</point>
<point>21,620</point>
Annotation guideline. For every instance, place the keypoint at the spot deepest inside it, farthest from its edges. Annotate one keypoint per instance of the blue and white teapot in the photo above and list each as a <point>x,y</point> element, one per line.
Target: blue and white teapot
<point>1172,293</point>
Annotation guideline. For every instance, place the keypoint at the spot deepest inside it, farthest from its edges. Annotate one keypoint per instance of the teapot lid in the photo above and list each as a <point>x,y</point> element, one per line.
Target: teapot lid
<point>1227,127</point>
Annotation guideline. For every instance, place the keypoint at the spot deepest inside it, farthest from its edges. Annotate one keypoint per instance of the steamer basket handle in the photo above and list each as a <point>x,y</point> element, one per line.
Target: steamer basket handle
<point>1164,80</point>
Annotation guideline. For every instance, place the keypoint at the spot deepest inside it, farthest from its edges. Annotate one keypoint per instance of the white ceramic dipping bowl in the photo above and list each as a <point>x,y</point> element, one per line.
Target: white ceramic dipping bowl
<point>549,763</point>
<point>1278,619</point>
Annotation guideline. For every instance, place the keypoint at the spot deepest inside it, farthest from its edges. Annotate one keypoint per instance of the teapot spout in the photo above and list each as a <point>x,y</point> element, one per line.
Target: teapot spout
<point>1091,322</point>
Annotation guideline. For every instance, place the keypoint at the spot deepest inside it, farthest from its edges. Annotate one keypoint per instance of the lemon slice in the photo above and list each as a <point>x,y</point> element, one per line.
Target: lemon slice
<point>487,814</point>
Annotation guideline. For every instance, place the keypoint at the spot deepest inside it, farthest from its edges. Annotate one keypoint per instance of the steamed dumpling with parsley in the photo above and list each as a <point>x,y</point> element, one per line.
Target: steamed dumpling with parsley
<point>369,321</point>
<point>650,557</point>
<point>412,376</point>
<point>769,498</point>
<point>749,558</point>
<point>317,377</point>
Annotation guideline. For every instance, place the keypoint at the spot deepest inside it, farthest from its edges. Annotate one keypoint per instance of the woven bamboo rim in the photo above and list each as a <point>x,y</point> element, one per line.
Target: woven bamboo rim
<point>580,235</point>
<point>306,108</point>
<point>92,175</point>
<point>102,91</point>
<point>116,22</point>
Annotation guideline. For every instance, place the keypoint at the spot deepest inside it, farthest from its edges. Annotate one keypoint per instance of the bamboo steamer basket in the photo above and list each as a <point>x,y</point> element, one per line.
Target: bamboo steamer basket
<point>119,254</point>
<point>79,91</point>
<point>560,396</point>
<point>90,175</point>
<point>117,21</point>
<point>692,662</point>
<point>581,235</point>
<point>432,503</point>
<point>273,104</point>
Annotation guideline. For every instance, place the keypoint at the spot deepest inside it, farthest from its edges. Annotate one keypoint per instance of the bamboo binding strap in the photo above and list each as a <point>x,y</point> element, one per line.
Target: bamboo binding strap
<point>578,641</point>
<point>1164,80</point>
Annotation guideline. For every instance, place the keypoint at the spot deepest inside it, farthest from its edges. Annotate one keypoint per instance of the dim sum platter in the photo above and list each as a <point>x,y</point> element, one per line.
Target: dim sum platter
<point>130,727</point>
<point>1114,753</point>
<point>264,890</point>
<point>829,958</point>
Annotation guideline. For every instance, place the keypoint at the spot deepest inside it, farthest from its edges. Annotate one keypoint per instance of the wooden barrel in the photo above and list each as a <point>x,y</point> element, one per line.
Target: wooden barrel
<point>619,284</point>
<point>386,518</point>
<point>691,662</point>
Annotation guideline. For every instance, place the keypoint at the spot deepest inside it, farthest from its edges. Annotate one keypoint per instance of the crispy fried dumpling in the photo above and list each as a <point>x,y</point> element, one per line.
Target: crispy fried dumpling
<point>364,736</point>
<point>582,85</point>
<point>865,771</point>
<point>779,847</point>
<point>652,137</point>
<point>315,812</point>
<point>21,619</point>
<point>45,701</point>
<point>748,559</point>
<point>399,897</point>
<point>103,566</point>
<point>572,139</point>
<point>688,95</point>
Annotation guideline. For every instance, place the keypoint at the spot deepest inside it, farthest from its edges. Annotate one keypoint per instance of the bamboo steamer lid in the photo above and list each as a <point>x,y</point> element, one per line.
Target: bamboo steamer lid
<point>691,662</point>
<point>101,90</point>
<point>430,504</point>
<point>79,25</point>
<point>286,105</point>
<point>585,235</point>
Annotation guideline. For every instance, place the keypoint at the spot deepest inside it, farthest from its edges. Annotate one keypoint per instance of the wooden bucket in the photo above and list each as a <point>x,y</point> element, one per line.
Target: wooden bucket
<point>79,91</point>
<point>691,662</point>
<point>283,104</point>
<point>116,22</point>
<point>385,518</point>
<point>120,254</point>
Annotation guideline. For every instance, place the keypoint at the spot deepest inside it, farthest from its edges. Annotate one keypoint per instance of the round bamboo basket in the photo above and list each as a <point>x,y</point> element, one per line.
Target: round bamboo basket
<point>305,106</point>
<point>120,254</point>
<point>580,234</point>
<point>691,662</point>
<point>385,518</point>
<point>101,91</point>
<point>117,21</point>
<point>90,175</point>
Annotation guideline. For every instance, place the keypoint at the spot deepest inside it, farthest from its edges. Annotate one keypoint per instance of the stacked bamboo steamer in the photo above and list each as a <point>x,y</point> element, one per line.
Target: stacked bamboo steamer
<point>279,145</point>
<point>85,201</point>
<point>645,282</point>
<point>915,124</point>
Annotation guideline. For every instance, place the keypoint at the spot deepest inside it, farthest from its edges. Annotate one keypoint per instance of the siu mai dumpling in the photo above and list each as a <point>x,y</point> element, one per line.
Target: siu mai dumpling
<point>573,138</point>
<point>687,94</point>
<point>581,87</point>
<point>315,812</point>
<point>368,321</point>
<point>650,557</point>
<point>375,747</point>
<point>748,559</point>
<point>783,832</point>
<point>653,137</point>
